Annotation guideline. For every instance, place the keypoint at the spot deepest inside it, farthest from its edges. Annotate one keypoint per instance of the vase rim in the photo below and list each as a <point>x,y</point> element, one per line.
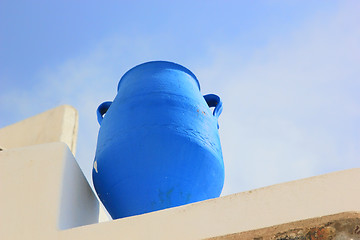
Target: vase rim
<point>165,63</point>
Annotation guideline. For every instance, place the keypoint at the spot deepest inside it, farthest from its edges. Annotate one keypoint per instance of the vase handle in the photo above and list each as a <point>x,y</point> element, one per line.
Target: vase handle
<point>101,110</point>
<point>213,100</point>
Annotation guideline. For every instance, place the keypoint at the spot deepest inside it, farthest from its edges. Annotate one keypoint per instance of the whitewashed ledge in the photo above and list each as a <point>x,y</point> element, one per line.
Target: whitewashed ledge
<point>45,196</point>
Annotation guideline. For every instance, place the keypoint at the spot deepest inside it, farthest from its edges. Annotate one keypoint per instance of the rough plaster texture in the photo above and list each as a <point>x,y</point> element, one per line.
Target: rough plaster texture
<point>56,125</point>
<point>45,196</point>
<point>342,226</point>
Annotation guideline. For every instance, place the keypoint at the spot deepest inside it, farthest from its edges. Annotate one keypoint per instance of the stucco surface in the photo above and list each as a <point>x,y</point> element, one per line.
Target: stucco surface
<point>342,226</point>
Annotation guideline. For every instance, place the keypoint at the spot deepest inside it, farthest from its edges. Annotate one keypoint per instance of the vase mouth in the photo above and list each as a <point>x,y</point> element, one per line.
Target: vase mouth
<point>166,64</point>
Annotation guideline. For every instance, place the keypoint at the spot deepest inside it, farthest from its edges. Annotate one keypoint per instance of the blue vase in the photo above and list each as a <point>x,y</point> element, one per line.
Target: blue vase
<point>158,144</point>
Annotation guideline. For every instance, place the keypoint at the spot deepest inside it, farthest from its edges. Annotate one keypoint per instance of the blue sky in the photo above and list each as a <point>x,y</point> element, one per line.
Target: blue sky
<point>287,71</point>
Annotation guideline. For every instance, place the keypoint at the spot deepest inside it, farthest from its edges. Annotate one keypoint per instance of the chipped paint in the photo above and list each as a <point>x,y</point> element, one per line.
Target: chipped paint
<point>95,166</point>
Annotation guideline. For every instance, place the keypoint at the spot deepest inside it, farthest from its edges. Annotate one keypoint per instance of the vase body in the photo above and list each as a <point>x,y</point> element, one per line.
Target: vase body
<point>158,144</point>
